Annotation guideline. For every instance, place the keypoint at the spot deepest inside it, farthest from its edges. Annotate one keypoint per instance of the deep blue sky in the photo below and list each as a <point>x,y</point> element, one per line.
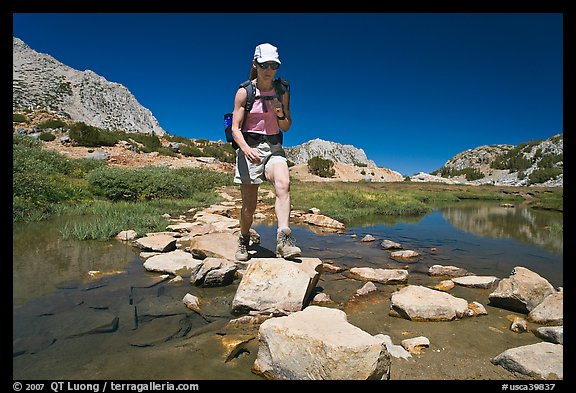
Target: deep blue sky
<point>411,89</point>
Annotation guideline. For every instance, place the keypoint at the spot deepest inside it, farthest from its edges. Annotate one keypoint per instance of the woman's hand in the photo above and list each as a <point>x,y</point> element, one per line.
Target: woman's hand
<point>252,155</point>
<point>277,105</point>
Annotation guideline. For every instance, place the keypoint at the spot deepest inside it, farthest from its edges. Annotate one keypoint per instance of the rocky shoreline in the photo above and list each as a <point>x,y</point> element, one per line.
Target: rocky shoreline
<point>279,297</point>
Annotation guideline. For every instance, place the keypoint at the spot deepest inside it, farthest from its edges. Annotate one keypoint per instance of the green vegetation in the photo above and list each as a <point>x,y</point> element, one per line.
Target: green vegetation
<point>547,199</point>
<point>542,175</point>
<point>550,160</point>
<point>148,183</point>
<point>112,199</point>
<point>19,118</point>
<point>548,166</point>
<point>470,173</point>
<point>105,219</point>
<point>205,148</point>
<point>42,179</point>
<point>82,134</point>
<point>54,123</point>
<point>47,183</point>
<point>321,167</point>
<point>556,228</point>
<point>224,153</point>
<point>513,160</point>
<point>348,202</point>
<point>47,136</point>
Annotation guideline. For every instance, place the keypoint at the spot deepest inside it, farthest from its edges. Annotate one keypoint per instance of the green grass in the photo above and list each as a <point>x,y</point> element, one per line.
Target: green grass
<point>548,199</point>
<point>350,202</point>
<point>102,220</point>
<point>349,205</point>
<point>47,183</point>
<point>556,228</point>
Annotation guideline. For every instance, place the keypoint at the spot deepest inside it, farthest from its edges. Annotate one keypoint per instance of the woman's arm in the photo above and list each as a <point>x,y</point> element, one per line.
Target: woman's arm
<point>237,118</point>
<point>284,119</point>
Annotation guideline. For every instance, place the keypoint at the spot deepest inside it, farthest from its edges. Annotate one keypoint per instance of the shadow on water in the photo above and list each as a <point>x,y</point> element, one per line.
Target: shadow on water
<point>132,324</point>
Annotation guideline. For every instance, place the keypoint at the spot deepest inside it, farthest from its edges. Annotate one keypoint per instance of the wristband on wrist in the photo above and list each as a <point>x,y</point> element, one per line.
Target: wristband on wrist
<point>281,118</point>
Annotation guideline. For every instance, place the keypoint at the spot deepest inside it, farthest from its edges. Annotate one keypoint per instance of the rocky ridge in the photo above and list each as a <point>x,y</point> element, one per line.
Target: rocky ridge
<point>346,154</point>
<point>531,157</point>
<point>41,81</point>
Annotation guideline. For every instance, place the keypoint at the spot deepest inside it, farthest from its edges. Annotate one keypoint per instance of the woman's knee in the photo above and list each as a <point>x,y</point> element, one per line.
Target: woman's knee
<point>282,186</point>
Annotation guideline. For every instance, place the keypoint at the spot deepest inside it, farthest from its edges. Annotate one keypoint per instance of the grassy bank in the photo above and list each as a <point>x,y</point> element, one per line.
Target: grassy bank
<point>103,219</point>
<point>348,202</point>
<point>104,200</point>
<point>111,199</point>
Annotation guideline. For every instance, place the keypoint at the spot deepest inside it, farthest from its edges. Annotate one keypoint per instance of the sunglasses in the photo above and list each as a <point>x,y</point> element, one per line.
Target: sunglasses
<point>271,64</point>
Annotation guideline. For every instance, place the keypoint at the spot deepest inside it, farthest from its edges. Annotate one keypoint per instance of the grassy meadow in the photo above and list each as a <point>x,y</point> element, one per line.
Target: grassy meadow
<point>113,199</point>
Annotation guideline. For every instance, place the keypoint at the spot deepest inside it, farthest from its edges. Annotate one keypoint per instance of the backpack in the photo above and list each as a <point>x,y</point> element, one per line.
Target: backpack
<point>280,85</point>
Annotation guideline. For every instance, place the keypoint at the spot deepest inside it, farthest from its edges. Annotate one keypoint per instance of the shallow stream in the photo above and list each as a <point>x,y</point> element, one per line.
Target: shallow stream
<point>130,325</point>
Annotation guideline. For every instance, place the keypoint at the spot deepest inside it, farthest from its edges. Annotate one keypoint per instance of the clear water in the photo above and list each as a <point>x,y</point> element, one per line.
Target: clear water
<point>130,326</point>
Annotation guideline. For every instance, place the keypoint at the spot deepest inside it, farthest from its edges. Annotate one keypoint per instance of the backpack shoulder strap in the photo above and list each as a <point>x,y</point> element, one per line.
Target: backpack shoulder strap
<point>281,86</point>
<point>251,94</point>
<point>250,97</point>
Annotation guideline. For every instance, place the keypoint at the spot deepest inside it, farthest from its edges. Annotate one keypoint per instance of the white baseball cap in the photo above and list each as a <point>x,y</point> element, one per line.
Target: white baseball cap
<point>266,52</point>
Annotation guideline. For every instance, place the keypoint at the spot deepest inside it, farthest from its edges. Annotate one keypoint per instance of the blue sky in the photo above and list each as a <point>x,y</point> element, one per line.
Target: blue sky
<point>410,89</point>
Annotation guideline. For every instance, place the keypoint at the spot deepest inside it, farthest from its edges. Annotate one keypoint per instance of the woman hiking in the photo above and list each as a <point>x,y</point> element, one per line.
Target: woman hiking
<point>260,155</point>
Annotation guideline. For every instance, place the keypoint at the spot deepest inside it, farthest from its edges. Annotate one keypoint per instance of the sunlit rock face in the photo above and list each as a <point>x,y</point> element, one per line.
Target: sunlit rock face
<point>528,163</point>
<point>328,150</point>
<point>42,82</point>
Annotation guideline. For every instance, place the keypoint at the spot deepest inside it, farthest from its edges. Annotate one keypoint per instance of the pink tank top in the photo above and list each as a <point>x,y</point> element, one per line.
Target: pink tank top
<point>260,122</point>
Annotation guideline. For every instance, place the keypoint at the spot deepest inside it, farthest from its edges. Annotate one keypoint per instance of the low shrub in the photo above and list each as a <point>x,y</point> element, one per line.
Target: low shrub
<point>47,136</point>
<point>150,183</point>
<point>89,136</point>
<point>53,123</point>
<point>542,175</point>
<point>19,118</point>
<point>321,167</point>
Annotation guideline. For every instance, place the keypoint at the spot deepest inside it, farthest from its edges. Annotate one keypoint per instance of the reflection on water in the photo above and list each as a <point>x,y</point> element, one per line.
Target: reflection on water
<point>466,243</point>
<point>42,261</point>
<point>519,223</point>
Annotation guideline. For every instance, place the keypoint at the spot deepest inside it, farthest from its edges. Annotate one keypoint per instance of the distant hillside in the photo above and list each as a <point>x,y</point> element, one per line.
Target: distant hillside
<point>43,89</point>
<point>531,163</point>
<point>41,82</point>
<point>336,152</point>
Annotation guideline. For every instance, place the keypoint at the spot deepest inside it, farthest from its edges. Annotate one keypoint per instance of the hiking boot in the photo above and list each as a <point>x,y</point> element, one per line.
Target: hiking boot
<point>286,246</point>
<point>254,236</point>
<point>242,250</point>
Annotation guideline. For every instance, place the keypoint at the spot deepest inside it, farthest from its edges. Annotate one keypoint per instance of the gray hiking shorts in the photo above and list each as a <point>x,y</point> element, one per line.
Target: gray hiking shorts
<point>248,172</point>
